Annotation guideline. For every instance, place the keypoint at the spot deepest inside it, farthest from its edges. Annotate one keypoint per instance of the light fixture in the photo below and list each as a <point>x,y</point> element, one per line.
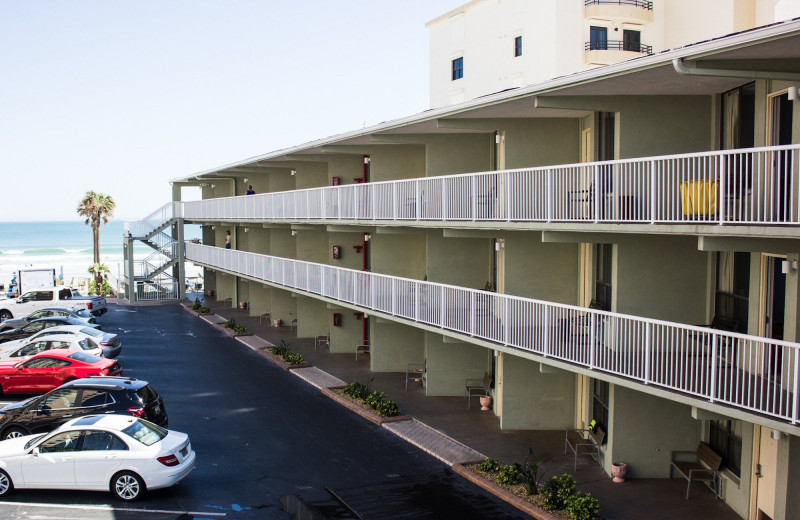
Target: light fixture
<point>246,230</point>
<point>788,266</point>
<point>245,180</point>
<point>793,95</point>
<point>213,185</point>
<point>213,228</point>
<point>292,171</point>
<point>367,236</point>
<point>294,232</point>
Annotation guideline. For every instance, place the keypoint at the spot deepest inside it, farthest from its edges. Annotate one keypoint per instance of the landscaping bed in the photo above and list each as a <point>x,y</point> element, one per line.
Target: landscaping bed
<point>360,407</point>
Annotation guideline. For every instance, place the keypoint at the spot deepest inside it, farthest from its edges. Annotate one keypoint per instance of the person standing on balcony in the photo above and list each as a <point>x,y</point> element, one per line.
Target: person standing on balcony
<point>228,239</point>
<point>250,190</point>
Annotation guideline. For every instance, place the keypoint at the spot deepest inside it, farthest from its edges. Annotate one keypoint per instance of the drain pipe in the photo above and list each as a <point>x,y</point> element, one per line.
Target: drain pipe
<point>680,67</point>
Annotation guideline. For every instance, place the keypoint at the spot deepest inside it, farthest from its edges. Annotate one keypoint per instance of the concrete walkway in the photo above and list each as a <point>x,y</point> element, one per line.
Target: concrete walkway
<point>445,428</point>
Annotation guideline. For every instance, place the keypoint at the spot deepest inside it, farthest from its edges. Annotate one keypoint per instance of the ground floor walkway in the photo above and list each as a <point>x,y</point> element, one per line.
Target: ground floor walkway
<point>450,430</point>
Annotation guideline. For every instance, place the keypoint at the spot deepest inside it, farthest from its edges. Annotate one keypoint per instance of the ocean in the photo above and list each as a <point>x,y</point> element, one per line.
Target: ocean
<point>67,247</point>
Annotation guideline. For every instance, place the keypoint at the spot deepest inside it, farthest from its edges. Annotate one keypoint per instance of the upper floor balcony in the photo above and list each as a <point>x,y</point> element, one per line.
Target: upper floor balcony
<point>618,46</point>
<point>753,187</point>
<point>630,11</point>
<point>735,374</point>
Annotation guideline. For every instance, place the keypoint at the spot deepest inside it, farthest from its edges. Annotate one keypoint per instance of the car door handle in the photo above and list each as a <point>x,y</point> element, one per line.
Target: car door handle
<point>70,415</point>
<point>111,456</point>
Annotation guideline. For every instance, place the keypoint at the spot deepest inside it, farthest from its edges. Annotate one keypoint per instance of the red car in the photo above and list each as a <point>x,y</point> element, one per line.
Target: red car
<point>51,369</point>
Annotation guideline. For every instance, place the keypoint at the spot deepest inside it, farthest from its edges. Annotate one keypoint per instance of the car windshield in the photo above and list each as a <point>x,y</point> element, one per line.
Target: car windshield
<point>91,331</point>
<point>145,432</point>
<point>83,356</point>
<point>33,441</point>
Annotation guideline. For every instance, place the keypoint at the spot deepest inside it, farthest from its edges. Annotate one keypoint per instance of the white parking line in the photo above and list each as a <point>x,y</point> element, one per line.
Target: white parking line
<point>109,508</point>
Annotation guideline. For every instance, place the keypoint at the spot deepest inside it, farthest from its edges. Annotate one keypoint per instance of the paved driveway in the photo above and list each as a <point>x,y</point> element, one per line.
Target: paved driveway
<point>262,437</point>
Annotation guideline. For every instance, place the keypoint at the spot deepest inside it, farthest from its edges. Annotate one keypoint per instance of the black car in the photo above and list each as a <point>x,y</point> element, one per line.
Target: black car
<point>43,323</point>
<point>91,395</point>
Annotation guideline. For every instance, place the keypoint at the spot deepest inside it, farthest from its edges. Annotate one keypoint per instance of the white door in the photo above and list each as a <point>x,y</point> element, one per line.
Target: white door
<point>100,457</point>
<point>765,475</point>
<point>54,465</point>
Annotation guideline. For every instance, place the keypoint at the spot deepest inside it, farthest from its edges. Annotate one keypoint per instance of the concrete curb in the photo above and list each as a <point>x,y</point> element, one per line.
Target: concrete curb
<point>370,416</point>
<point>511,498</point>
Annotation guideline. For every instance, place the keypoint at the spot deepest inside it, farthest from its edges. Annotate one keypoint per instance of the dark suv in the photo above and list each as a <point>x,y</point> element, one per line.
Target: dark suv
<point>90,395</point>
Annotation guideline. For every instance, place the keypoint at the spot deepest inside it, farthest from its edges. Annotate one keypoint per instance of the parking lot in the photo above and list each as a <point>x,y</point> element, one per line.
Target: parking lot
<point>263,438</point>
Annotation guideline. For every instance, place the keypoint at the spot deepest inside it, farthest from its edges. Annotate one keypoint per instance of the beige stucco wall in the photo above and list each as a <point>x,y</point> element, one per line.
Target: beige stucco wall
<point>402,255</point>
<point>394,345</point>
<point>661,277</point>
<point>459,153</point>
<point>645,430</point>
<point>544,271</point>
<point>465,262</point>
<point>449,365</point>
<point>534,399</point>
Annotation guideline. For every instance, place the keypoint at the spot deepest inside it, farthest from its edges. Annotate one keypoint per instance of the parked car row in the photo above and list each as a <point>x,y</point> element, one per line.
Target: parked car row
<point>92,428</point>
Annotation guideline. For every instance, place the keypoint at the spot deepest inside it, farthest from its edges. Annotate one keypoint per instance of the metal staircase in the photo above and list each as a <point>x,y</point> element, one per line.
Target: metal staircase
<point>148,279</point>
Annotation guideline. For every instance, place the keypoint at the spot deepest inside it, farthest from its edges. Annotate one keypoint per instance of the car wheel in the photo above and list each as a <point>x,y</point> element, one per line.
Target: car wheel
<point>6,486</point>
<point>14,432</point>
<point>127,486</point>
<point>5,315</point>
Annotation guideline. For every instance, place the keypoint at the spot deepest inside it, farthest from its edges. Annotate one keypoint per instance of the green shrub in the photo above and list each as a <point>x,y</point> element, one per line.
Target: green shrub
<point>529,473</point>
<point>384,407</point>
<point>106,289</point>
<point>237,328</point>
<point>508,475</point>
<point>356,390</point>
<point>293,358</point>
<point>284,352</point>
<point>490,465</point>
<point>556,491</point>
<point>582,506</point>
<point>197,306</point>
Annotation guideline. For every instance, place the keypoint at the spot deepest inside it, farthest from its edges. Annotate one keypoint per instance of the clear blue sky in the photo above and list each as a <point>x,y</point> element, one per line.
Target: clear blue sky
<point>120,97</point>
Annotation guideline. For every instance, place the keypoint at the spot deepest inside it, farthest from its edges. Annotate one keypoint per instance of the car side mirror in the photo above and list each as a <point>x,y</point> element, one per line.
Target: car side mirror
<point>21,300</point>
<point>44,408</point>
<point>35,451</point>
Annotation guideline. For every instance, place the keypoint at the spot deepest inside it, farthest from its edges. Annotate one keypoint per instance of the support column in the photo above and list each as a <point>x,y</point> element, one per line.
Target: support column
<point>181,267</point>
<point>127,244</point>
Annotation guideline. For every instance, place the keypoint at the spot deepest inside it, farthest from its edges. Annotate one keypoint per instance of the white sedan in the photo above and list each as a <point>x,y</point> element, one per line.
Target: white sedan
<point>123,454</point>
<point>31,346</point>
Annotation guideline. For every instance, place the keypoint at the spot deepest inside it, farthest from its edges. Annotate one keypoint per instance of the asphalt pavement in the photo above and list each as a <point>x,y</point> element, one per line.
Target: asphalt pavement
<point>266,441</point>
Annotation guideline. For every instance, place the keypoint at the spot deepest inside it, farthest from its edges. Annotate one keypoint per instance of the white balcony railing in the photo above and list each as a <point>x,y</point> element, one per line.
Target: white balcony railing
<point>746,372</point>
<point>757,186</point>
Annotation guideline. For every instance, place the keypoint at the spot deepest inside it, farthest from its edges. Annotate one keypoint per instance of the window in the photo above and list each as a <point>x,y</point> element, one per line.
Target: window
<point>102,441</point>
<point>600,391</point>
<point>67,441</point>
<point>92,397</point>
<point>61,399</point>
<point>45,362</point>
<point>598,38</point>
<point>631,41</point>
<point>733,289</point>
<point>458,68</point>
<point>518,46</point>
<point>725,438</point>
<point>602,275</point>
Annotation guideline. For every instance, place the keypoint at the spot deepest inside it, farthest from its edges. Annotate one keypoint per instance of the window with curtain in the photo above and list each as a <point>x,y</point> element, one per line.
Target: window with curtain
<point>731,300</point>
<point>600,403</point>
<point>725,438</point>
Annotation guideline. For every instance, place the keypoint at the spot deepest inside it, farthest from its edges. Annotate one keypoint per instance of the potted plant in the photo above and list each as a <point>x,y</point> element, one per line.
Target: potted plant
<point>619,470</point>
<point>486,402</point>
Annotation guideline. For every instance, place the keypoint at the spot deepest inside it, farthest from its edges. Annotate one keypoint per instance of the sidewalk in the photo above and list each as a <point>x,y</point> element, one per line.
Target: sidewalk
<point>445,428</point>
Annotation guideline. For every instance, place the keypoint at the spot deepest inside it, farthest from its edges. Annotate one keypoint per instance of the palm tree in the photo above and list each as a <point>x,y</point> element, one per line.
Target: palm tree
<point>99,271</point>
<point>96,207</point>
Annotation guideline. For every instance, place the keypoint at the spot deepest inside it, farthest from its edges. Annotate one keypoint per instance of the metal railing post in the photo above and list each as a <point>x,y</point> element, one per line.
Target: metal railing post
<point>714,368</point>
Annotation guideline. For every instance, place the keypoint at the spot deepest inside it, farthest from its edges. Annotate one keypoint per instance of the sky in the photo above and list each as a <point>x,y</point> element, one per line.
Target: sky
<point>120,97</point>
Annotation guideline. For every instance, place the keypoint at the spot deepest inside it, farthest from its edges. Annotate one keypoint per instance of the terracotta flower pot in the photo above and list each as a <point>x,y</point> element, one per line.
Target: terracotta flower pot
<point>619,470</point>
<point>486,402</point>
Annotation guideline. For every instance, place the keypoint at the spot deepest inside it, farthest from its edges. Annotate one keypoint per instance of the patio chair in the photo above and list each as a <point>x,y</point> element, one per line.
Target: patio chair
<point>415,373</point>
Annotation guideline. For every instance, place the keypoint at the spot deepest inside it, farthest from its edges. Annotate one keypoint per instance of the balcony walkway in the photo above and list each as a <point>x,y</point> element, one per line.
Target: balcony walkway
<point>654,499</point>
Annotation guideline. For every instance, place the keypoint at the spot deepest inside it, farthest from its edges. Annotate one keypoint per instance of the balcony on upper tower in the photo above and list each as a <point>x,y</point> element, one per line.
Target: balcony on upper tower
<point>632,11</point>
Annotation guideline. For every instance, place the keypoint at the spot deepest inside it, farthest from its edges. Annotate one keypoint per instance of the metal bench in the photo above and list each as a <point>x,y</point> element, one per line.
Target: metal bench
<point>362,349</point>
<point>415,373</point>
<point>322,341</point>
<point>477,387</point>
<point>704,466</point>
<point>583,442</point>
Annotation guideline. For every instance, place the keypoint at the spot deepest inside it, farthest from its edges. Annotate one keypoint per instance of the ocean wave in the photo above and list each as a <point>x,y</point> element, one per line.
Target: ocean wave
<point>53,251</point>
<point>12,252</point>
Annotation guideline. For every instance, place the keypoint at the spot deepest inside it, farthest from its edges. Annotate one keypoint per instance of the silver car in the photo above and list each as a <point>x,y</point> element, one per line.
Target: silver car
<point>50,312</point>
<point>110,344</point>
